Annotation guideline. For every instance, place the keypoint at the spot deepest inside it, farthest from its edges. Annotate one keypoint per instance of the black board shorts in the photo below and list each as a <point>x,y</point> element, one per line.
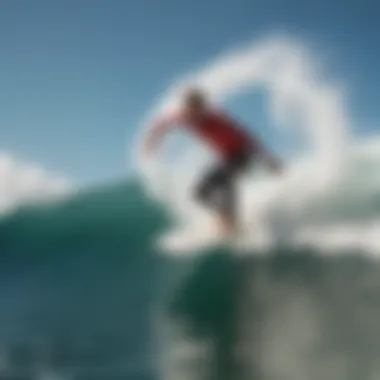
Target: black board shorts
<point>221,179</point>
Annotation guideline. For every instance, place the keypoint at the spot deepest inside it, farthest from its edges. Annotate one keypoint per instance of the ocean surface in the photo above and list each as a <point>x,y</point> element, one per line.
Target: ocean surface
<point>86,295</point>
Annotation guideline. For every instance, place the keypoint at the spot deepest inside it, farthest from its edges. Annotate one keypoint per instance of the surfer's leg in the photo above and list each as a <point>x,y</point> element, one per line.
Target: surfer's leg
<point>206,193</point>
<point>216,192</point>
<point>227,208</point>
<point>229,202</point>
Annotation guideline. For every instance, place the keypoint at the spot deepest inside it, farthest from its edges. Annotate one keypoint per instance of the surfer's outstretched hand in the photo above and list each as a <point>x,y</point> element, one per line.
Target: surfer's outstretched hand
<point>275,165</point>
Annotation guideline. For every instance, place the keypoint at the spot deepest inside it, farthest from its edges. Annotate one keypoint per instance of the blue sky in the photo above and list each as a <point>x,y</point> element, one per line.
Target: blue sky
<point>77,76</point>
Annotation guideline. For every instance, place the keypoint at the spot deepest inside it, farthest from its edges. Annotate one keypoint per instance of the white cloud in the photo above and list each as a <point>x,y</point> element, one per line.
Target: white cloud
<point>23,183</point>
<point>299,98</point>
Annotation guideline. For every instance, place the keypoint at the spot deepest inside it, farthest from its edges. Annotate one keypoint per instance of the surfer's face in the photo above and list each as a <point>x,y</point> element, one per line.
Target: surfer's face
<point>195,106</point>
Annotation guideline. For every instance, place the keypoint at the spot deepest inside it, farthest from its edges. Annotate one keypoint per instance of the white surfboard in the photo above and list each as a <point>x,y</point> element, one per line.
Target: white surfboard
<point>191,240</point>
<point>197,239</point>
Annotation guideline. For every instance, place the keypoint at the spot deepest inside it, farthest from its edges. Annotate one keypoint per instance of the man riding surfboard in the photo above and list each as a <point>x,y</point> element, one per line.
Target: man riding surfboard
<point>237,150</point>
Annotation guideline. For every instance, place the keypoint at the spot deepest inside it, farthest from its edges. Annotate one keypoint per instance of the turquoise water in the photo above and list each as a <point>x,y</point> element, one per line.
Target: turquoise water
<point>77,282</point>
<point>85,295</point>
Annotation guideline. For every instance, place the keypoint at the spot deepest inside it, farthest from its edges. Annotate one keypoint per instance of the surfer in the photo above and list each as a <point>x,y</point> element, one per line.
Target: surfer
<point>237,150</point>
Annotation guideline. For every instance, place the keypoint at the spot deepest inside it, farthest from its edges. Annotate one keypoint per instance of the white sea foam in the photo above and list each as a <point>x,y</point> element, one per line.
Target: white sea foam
<point>327,196</point>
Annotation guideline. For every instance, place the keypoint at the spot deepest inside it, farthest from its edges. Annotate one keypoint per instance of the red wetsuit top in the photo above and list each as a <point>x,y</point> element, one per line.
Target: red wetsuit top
<point>215,128</point>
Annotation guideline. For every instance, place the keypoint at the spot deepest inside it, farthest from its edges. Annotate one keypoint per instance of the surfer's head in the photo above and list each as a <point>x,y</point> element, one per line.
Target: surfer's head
<point>195,101</point>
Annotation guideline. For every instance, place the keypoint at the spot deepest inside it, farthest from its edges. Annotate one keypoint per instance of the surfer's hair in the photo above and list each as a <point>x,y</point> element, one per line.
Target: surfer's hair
<point>195,95</point>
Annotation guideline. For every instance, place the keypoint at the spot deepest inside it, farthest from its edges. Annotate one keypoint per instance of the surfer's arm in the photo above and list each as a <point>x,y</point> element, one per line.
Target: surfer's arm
<point>271,161</point>
<point>255,144</point>
<point>157,132</point>
<point>265,155</point>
